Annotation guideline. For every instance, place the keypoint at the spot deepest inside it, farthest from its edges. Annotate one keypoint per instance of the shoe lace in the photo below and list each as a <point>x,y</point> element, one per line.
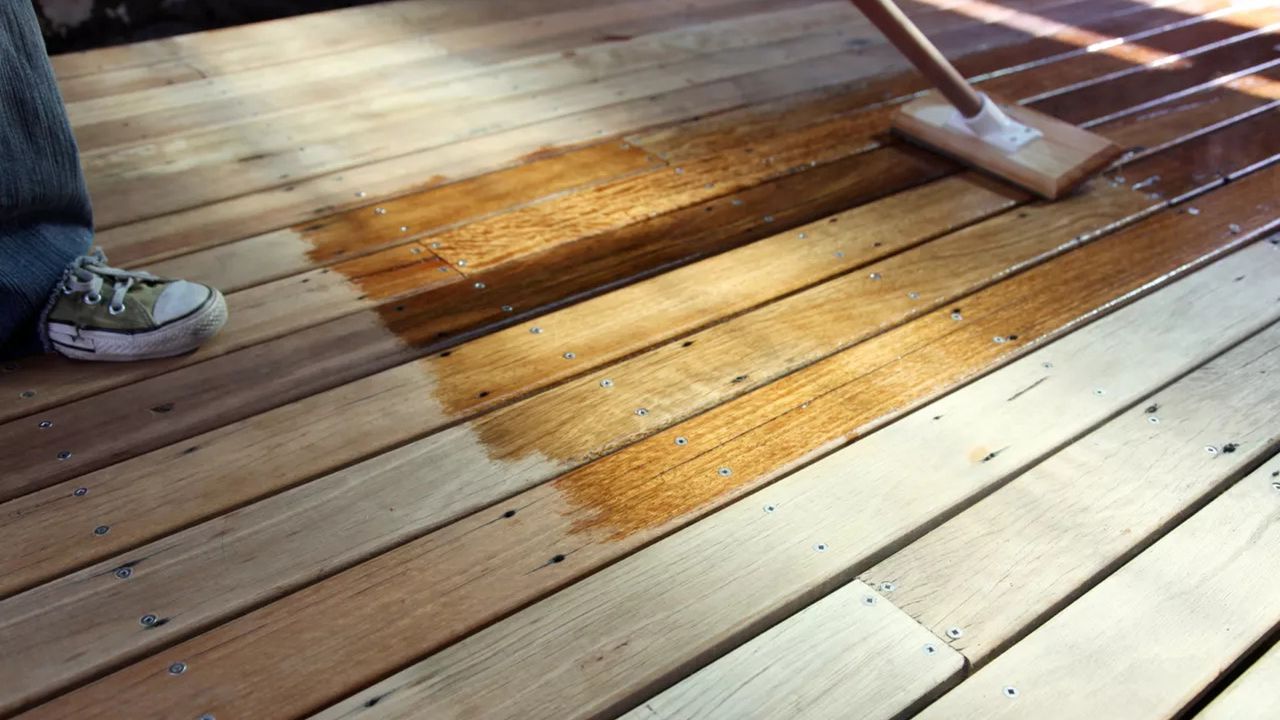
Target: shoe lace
<point>89,273</point>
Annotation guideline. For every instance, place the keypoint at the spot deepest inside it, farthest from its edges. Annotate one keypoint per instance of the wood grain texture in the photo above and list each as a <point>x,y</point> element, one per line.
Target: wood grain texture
<point>300,201</point>
<point>510,448</point>
<point>998,569</point>
<point>755,457</point>
<point>421,73</point>
<point>1208,578</point>
<point>46,393</point>
<point>261,258</point>
<point>152,429</point>
<point>647,619</point>
<point>851,649</point>
<point>1252,695</point>
<point>192,170</point>
<point>476,376</point>
<point>244,47</point>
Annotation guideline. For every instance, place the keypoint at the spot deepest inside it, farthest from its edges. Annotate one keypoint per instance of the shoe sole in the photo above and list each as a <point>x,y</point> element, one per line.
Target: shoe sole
<point>176,338</point>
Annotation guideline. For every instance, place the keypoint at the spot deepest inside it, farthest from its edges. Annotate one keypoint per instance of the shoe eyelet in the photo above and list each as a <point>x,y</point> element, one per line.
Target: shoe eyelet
<point>115,310</point>
<point>66,290</point>
<point>92,298</point>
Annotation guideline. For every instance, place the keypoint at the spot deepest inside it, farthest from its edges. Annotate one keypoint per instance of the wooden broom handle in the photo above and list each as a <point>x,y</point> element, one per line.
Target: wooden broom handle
<point>912,43</point>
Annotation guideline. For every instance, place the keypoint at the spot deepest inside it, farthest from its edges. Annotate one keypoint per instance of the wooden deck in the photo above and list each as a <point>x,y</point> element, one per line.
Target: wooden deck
<point>607,359</point>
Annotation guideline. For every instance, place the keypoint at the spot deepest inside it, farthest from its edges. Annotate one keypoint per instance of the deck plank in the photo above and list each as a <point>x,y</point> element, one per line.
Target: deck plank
<point>850,649</point>
<point>421,73</point>
<point>1061,524</point>
<point>999,568</point>
<point>47,392</point>
<point>1252,695</point>
<point>360,231</point>
<point>644,621</point>
<point>243,47</point>
<point>299,201</point>
<point>173,174</point>
<point>286,439</point>
<point>1208,578</point>
<point>275,629</point>
<point>502,365</point>
<point>685,147</point>
<point>40,443</point>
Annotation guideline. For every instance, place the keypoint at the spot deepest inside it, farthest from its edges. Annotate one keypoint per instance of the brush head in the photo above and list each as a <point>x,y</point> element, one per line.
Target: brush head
<point>1050,165</point>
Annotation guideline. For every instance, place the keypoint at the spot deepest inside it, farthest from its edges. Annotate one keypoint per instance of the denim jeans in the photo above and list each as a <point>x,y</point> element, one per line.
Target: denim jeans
<point>45,217</point>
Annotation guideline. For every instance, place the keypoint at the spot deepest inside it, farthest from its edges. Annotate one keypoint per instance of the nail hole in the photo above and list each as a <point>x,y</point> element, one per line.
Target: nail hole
<point>509,514</point>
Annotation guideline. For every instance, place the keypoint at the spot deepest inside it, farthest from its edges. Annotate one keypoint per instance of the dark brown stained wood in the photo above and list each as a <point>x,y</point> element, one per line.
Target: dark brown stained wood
<point>420,320</point>
<point>363,230</point>
<point>236,670</point>
<point>523,444</point>
<point>255,213</point>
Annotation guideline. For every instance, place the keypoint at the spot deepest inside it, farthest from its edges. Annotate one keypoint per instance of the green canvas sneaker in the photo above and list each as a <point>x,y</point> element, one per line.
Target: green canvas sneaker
<point>103,313</point>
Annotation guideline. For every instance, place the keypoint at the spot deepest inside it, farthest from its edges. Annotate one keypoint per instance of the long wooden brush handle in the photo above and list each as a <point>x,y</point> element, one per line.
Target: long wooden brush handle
<point>912,43</point>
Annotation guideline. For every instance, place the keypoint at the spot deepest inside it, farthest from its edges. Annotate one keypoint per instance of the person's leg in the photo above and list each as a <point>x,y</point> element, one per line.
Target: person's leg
<point>45,217</point>
<point>54,293</point>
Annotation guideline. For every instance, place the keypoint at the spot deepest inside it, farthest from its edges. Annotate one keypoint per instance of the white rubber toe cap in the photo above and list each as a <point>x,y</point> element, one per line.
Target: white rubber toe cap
<point>179,299</point>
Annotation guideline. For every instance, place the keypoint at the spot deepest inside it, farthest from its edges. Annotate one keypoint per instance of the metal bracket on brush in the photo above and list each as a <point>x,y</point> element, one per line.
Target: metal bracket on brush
<point>994,127</point>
